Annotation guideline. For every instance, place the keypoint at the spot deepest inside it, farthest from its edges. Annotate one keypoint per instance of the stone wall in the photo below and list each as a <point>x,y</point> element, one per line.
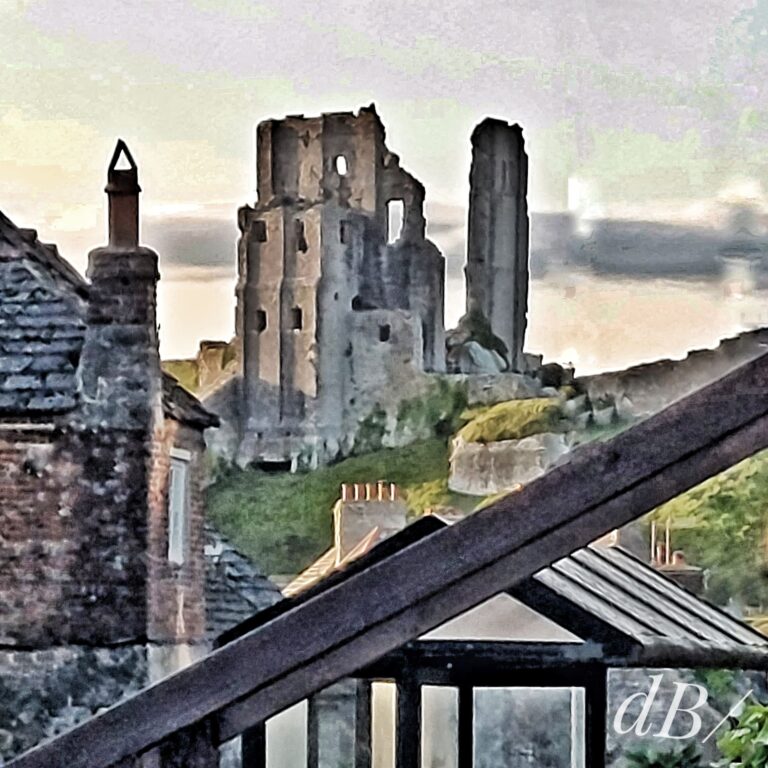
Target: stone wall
<point>45,692</point>
<point>480,469</point>
<point>644,389</point>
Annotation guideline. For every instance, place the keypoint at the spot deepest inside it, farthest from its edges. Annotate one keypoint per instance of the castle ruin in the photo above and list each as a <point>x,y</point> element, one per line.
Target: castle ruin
<point>340,296</point>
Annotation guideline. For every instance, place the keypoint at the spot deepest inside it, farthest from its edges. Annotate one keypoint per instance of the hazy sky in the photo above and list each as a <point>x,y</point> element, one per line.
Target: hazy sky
<point>651,108</point>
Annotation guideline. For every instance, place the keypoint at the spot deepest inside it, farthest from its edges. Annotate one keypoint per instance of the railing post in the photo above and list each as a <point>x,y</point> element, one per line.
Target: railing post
<point>408,729</point>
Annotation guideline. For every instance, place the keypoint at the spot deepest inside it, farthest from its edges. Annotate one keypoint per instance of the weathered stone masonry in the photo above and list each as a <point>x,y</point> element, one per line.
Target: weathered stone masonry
<point>314,259</point>
<point>497,247</point>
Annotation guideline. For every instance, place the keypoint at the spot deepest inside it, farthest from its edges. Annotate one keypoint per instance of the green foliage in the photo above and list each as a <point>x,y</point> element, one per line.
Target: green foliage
<point>688,757</point>
<point>720,685</point>
<point>511,420</point>
<point>371,431</point>
<point>438,412</point>
<point>745,744</point>
<point>230,354</point>
<point>284,521</point>
<point>723,516</point>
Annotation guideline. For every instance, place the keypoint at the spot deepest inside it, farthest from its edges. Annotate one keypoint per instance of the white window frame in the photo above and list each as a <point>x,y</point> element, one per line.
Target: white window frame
<point>178,506</point>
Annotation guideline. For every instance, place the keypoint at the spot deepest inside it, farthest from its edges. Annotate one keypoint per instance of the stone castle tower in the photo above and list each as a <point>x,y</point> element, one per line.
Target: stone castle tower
<point>497,240</point>
<point>328,297</point>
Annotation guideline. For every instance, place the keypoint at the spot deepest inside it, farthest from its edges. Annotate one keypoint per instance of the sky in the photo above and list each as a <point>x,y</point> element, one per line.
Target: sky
<point>649,110</point>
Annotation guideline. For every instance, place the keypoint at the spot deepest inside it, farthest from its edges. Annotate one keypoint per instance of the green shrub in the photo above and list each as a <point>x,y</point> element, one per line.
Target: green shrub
<point>723,515</point>
<point>688,757</point>
<point>437,412</point>
<point>745,744</point>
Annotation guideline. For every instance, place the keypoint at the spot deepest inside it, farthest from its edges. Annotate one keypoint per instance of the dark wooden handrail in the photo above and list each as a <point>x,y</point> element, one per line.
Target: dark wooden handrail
<point>434,579</point>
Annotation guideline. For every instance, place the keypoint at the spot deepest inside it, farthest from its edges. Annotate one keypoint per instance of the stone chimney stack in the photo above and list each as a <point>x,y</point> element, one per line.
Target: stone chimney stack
<point>120,366</point>
<point>118,423</point>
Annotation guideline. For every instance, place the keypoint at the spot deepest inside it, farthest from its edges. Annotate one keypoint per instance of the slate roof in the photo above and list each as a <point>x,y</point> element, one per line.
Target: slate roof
<point>235,589</point>
<point>185,407</point>
<point>41,325</point>
<point>43,304</point>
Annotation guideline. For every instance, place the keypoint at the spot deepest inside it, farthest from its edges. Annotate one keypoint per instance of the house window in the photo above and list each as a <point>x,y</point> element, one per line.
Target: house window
<point>178,506</point>
<point>261,320</point>
<point>384,332</point>
<point>297,320</point>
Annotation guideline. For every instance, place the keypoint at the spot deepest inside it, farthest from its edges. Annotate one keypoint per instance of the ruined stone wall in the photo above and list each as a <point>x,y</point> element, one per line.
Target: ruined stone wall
<point>312,253</point>
<point>647,388</point>
<point>176,592</point>
<point>497,245</point>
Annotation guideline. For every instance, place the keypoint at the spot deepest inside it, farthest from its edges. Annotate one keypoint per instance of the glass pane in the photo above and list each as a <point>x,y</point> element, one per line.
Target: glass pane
<point>287,738</point>
<point>522,727</point>
<point>439,723</point>
<point>383,707</point>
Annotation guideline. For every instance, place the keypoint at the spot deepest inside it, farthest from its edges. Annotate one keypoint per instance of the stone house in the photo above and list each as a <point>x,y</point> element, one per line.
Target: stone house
<point>106,561</point>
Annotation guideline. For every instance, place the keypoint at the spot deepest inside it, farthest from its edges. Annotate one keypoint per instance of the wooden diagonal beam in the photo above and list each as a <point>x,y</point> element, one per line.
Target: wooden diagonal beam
<point>412,591</point>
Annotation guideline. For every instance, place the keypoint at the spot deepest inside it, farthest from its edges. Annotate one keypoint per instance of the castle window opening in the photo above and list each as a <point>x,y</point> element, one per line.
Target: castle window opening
<point>260,231</point>
<point>395,217</point>
<point>261,320</point>
<point>297,319</point>
<point>385,331</point>
<point>178,506</point>
<point>344,232</point>
<point>341,165</point>
<point>301,240</point>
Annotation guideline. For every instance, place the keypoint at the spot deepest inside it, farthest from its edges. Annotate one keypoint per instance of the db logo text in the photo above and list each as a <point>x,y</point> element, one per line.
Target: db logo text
<point>680,722</point>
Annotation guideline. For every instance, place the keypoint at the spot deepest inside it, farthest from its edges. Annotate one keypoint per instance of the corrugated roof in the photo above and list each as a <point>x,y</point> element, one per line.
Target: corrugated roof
<point>632,596</point>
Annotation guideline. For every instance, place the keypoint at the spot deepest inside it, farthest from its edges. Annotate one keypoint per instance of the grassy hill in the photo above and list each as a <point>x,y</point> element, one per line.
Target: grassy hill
<point>283,521</point>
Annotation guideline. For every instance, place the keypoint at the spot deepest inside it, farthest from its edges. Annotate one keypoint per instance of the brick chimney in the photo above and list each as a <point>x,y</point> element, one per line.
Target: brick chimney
<point>121,409</point>
<point>363,507</point>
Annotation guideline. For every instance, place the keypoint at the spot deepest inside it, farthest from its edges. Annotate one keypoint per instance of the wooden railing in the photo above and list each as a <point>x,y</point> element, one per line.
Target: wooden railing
<point>180,720</point>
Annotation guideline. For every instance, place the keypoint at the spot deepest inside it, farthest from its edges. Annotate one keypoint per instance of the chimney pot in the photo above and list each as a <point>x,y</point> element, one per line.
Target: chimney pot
<point>123,192</point>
